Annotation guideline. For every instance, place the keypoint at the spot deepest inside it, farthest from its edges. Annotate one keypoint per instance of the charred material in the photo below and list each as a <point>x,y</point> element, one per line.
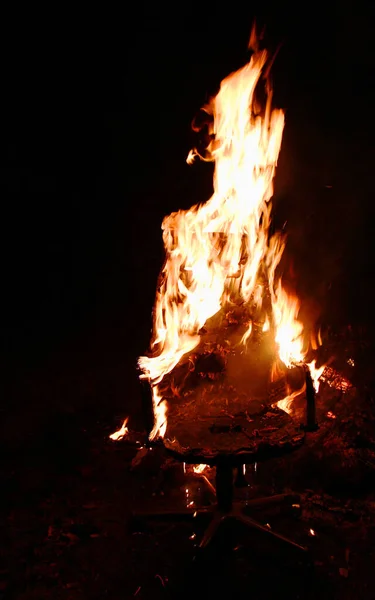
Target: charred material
<point>311,424</point>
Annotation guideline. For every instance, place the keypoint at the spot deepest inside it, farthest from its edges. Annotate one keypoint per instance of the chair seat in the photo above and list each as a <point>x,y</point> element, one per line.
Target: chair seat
<point>233,439</point>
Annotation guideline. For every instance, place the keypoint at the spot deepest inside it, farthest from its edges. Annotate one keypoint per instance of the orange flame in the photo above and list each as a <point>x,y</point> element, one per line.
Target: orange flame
<point>289,331</point>
<point>286,403</point>
<point>222,251</point>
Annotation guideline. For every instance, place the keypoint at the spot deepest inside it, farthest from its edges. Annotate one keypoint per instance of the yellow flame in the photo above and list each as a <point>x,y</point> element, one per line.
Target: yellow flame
<point>199,468</point>
<point>222,251</point>
<point>121,433</point>
<point>160,415</point>
<point>315,374</point>
<point>289,331</point>
<point>286,403</point>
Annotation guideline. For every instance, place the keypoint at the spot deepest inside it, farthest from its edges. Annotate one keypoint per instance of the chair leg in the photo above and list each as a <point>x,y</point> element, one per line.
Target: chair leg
<point>217,519</point>
<point>256,525</point>
<point>210,488</point>
<point>240,479</point>
<point>288,499</point>
<point>165,515</point>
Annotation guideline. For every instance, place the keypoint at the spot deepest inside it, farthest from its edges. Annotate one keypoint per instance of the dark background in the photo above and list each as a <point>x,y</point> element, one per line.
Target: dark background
<point>97,129</point>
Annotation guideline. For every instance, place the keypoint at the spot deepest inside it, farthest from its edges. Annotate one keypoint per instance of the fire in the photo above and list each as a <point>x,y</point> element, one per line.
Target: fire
<point>221,252</point>
<point>266,325</point>
<point>315,374</point>
<point>121,433</point>
<point>289,331</point>
<point>199,468</point>
<point>286,403</point>
<point>160,412</point>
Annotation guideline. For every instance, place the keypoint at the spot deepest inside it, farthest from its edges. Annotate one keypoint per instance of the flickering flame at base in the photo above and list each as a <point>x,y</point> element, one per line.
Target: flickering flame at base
<point>286,403</point>
<point>121,433</point>
<point>289,331</point>
<point>315,374</point>
<point>160,414</point>
<point>199,468</point>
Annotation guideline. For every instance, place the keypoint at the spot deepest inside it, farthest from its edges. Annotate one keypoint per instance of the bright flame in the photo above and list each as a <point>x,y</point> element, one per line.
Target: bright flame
<point>222,251</point>
<point>286,403</point>
<point>160,412</point>
<point>315,374</point>
<point>121,433</point>
<point>199,468</point>
<point>289,331</point>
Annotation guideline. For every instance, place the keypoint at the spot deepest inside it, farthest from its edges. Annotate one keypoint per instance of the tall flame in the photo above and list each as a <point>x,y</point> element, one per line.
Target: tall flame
<point>222,251</point>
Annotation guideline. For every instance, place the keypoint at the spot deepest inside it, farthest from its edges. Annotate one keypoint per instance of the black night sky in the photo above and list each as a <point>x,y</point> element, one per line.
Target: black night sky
<point>96,130</point>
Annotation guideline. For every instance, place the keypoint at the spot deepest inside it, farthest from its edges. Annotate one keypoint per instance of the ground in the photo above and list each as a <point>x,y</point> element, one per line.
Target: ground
<point>69,492</point>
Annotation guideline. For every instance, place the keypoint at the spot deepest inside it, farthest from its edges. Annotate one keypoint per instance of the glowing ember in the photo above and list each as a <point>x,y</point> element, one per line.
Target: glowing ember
<point>221,252</point>
<point>335,380</point>
<point>121,433</point>
<point>199,468</point>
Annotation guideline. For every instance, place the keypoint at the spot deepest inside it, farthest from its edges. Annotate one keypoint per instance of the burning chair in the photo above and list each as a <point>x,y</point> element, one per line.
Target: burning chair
<point>226,327</point>
<point>227,443</point>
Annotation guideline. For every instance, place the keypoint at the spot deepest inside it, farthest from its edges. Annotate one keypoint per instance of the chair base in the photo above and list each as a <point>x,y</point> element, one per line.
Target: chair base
<point>236,512</point>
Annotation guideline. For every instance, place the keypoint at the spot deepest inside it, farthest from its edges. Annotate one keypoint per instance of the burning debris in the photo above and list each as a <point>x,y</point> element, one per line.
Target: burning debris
<point>335,380</point>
